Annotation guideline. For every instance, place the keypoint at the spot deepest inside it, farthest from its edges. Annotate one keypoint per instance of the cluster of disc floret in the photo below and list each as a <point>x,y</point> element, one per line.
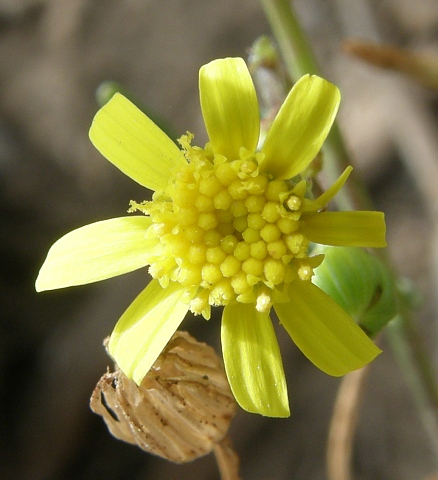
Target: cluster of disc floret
<point>229,229</point>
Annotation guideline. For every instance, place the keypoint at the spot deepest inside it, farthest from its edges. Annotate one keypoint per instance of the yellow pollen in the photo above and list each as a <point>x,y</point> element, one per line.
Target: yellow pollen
<point>293,203</point>
<point>305,272</point>
<point>226,231</point>
<point>200,304</point>
<point>248,167</point>
<point>263,303</point>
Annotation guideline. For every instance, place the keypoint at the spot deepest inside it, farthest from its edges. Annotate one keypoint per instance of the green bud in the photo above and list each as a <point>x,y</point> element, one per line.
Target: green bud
<point>263,53</point>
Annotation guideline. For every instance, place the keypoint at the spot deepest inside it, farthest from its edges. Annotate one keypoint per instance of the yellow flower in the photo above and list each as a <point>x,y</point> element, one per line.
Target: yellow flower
<point>228,225</point>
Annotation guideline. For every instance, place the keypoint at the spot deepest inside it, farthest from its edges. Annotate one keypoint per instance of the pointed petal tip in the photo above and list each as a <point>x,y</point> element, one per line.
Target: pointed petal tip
<point>40,285</point>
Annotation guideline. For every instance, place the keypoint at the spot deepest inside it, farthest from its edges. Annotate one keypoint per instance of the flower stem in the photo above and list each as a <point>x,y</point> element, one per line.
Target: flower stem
<point>227,460</point>
<point>343,425</point>
<point>295,48</point>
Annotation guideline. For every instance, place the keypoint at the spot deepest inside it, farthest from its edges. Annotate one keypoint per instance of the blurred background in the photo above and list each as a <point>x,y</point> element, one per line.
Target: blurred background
<point>53,56</point>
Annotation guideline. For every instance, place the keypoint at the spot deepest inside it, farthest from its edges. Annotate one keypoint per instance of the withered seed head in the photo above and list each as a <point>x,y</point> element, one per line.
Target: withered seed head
<point>182,408</point>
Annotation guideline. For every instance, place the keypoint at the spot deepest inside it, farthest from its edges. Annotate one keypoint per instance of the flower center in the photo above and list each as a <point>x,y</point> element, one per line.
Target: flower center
<point>227,230</point>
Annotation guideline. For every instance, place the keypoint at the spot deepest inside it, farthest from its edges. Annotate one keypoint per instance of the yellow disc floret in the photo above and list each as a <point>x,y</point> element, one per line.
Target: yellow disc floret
<point>227,229</point>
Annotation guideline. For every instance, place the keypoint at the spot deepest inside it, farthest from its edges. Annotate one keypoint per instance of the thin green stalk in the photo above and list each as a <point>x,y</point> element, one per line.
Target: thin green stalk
<point>413,359</point>
<point>293,43</point>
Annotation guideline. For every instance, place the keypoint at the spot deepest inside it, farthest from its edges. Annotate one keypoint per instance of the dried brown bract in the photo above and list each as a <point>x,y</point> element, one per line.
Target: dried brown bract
<point>182,408</point>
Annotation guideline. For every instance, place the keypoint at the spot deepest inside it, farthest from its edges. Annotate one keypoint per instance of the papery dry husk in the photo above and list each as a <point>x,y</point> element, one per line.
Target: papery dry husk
<point>183,407</point>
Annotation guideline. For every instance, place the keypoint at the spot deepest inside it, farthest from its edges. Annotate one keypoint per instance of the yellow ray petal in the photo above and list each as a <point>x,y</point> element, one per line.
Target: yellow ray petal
<point>253,361</point>
<point>301,126</point>
<point>95,252</point>
<point>145,328</point>
<point>126,137</point>
<point>331,192</point>
<point>347,229</point>
<point>326,335</point>
<point>229,106</point>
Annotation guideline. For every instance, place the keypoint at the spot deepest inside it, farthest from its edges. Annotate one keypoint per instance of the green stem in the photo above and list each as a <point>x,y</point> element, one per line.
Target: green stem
<point>295,48</point>
<point>403,334</point>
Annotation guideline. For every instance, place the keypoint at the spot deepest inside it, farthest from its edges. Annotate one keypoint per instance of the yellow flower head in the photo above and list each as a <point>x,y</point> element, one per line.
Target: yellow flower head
<point>228,225</point>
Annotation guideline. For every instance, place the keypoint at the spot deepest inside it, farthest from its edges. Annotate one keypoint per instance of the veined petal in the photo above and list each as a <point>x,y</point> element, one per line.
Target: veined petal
<point>301,126</point>
<point>347,229</point>
<point>324,332</point>
<point>97,251</point>
<point>145,328</point>
<point>126,137</point>
<point>229,106</point>
<point>253,361</point>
